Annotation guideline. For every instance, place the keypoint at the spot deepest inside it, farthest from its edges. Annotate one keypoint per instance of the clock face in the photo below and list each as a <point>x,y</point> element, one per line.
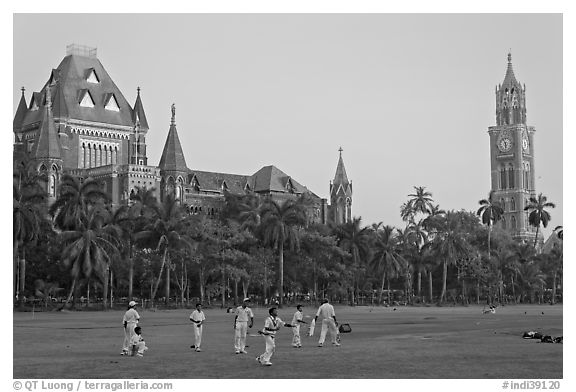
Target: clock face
<point>505,144</point>
<point>525,143</point>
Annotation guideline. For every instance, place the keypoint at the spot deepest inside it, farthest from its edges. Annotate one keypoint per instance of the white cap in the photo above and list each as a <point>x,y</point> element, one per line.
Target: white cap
<point>132,303</point>
<point>246,299</point>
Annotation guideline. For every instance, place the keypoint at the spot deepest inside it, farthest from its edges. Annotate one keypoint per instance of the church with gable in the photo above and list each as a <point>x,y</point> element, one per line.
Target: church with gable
<point>81,124</point>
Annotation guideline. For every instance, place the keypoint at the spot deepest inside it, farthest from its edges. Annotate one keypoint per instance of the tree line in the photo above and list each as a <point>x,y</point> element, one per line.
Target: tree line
<point>80,248</point>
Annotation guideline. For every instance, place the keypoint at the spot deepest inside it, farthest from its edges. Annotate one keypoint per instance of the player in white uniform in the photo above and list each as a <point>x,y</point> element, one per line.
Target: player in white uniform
<point>272,324</point>
<point>243,320</point>
<point>326,313</point>
<point>129,321</point>
<point>297,319</point>
<point>137,343</point>
<point>197,317</point>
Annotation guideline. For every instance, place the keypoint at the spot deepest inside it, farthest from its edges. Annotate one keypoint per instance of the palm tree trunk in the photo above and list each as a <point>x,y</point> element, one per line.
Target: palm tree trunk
<point>159,275</point>
<point>223,286</point>
<point>130,270</point>
<point>382,289</point>
<point>69,294</point>
<point>513,288</point>
<point>15,270</point>
<point>388,282</point>
<point>536,236</point>
<point>106,283</point>
<point>430,296</point>
<point>554,288</point>
<point>281,273</point>
<point>201,276</point>
<point>489,231</point>
<point>419,285</point>
<point>167,282</point>
<point>444,278</point>
<point>22,278</point>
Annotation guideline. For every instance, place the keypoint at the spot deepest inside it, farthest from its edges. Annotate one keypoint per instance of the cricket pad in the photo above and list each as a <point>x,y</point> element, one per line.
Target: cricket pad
<point>344,328</point>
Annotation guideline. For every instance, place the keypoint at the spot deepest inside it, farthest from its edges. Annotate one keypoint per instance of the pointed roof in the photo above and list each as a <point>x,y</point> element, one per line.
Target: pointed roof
<point>340,177</point>
<point>272,179</point>
<point>70,78</point>
<point>47,144</point>
<point>20,112</point>
<point>510,79</point>
<point>138,113</point>
<point>172,155</point>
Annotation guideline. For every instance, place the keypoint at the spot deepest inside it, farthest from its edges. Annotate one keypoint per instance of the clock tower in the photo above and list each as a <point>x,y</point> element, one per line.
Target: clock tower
<point>512,156</point>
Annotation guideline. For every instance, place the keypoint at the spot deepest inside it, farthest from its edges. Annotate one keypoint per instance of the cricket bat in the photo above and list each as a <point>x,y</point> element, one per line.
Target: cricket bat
<point>312,326</point>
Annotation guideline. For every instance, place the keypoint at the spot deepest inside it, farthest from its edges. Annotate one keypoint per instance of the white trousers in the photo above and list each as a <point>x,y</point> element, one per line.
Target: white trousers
<point>296,336</point>
<point>197,335</point>
<point>240,335</point>
<point>270,348</point>
<point>328,324</point>
<point>141,347</point>
<point>128,333</point>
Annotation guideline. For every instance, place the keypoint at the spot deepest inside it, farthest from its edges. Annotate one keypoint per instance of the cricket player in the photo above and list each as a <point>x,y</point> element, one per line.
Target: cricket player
<point>137,343</point>
<point>326,313</point>
<point>243,320</point>
<point>129,321</point>
<point>297,319</point>
<point>272,324</point>
<point>197,317</point>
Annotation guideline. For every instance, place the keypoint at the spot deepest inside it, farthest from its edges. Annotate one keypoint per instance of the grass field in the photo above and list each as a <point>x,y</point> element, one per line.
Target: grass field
<point>406,343</point>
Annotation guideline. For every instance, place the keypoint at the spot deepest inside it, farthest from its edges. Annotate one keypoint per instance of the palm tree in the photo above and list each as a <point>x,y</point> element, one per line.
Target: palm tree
<point>89,248</point>
<point>164,232</point>
<point>450,244</point>
<point>280,222</point>
<point>27,213</point>
<point>387,259</point>
<point>490,212</point>
<point>74,201</point>
<point>416,239</point>
<point>356,240</point>
<point>419,202</point>
<point>538,213</point>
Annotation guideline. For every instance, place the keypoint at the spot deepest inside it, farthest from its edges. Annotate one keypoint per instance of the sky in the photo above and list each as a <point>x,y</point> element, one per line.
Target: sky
<point>408,97</point>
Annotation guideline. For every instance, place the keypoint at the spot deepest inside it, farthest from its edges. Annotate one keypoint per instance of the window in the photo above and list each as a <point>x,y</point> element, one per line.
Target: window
<point>502,178</point>
<point>512,204</point>
<point>92,77</point>
<point>110,103</point>
<point>510,177</point>
<point>513,222</point>
<point>86,99</point>
<point>503,204</point>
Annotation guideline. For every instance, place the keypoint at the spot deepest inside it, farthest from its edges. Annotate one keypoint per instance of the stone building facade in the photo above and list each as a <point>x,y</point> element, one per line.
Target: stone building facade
<point>80,123</point>
<point>512,156</point>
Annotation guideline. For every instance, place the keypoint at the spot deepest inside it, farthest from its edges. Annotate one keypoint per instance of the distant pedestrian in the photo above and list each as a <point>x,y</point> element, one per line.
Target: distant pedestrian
<point>272,324</point>
<point>131,318</point>
<point>328,316</point>
<point>197,317</point>
<point>243,320</point>
<point>297,319</point>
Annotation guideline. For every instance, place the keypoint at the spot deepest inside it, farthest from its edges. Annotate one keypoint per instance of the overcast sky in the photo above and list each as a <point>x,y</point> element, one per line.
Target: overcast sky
<point>409,97</point>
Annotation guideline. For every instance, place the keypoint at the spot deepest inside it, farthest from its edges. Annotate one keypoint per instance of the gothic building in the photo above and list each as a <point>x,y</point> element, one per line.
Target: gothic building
<point>512,156</point>
<point>80,123</point>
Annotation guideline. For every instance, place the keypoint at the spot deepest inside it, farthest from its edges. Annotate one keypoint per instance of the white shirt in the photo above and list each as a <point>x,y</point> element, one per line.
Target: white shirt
<point>326,311</point>
<point>131,316</point>
<point>297,316</point>
<point>244,314</point>
<point>272,323</point>
<point>197,316</point>
<point>136,339</point>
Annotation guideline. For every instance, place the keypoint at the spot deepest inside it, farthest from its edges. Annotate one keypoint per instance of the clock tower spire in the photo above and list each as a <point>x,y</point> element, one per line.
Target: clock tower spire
<point>512,156</point>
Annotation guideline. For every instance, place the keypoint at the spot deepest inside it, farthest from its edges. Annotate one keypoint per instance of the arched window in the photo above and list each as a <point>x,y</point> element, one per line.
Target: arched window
<point>510,176</point>
<point>81,156</point>
<point>513,222</point>
<point>504,223</point>
<point>512,204</point>
<point>52,185</point>
<point>502,178</point>
<point>503,204</point>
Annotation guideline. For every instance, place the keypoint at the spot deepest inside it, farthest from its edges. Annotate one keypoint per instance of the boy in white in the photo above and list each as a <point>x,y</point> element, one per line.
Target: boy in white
<point>197,317</point>
<point>271,325</point>
<point>243,320</point>
<point>326,312</point>
<point>129,321</point>
<point>296,321</point>
<point>137,343</point>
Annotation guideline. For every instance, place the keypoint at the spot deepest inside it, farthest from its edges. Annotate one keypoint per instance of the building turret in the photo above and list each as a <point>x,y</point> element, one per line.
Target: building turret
<point>341,194</point>
<point>173,169</point>
<point>510,99</point>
